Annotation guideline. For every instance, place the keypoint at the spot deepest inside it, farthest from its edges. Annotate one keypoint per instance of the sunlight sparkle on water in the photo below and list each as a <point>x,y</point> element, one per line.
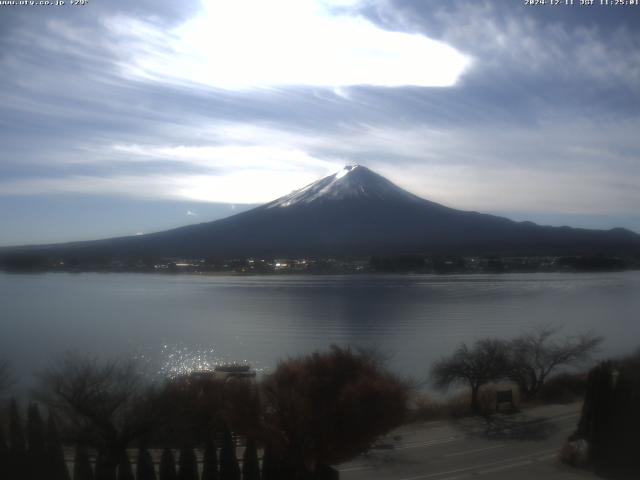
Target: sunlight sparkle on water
<point>177,360</point>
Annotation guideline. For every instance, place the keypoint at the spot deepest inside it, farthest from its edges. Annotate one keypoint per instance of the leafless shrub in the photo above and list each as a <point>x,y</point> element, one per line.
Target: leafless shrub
<point>101,403</point>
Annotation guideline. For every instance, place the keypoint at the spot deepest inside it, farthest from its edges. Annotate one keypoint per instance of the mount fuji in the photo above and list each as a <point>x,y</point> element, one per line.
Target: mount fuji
<point>356,213</point>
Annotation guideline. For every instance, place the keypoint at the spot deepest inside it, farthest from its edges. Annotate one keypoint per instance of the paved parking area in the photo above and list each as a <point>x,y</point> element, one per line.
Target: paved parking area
<point>510,447</point>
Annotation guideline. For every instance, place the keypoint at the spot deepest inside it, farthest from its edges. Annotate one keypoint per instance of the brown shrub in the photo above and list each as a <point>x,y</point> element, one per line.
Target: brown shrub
<point>327,408</point>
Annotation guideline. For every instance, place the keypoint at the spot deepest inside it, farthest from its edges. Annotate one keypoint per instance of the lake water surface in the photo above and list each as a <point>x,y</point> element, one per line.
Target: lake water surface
<point>177,322</point>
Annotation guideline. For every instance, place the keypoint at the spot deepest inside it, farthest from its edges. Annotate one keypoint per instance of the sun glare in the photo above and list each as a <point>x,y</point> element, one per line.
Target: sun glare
<point>252,43</point>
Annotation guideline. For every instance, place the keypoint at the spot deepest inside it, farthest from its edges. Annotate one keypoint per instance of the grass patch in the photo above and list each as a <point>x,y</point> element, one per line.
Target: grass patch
<point>426,407</point>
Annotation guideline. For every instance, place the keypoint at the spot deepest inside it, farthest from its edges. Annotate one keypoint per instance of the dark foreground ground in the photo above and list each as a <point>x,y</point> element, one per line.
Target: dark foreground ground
<point>522,446</point>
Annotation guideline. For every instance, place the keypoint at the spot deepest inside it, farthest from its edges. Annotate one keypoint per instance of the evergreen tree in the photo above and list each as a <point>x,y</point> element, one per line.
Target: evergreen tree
<point>188,464</point>
<point>36,452</point>
<point>210,462</point>
<point>168,466</point>
<point>270,464</point>
<point>4,456</point>
<point>56,465</point>
<point>610,418</point>
<point>125,472</point>
<point>229,469</point>
<point>104,469</point>
<point>82,465</point>
<point>17,448</point>
<point>145,469</point>
<point>250,465</point>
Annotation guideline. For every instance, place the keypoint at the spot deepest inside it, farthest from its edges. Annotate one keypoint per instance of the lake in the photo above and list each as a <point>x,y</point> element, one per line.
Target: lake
<point>174,323</point>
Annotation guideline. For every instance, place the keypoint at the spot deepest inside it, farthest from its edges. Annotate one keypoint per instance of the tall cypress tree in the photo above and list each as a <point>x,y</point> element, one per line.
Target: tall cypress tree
<point>17,448</point>
<point>188,464</point>
<point>210,461</point>
<point>104,469</point>
<point>36,452</point>
<point>610,418</point>
<point>125,472</point>
<point>145,469</point>
<point>168,466</point>
<point>4,456</point>
<point>271,464</point>
<point>56,465</point>
<point>82,465</point>
<point>250,465</point>
<point>229,469</point>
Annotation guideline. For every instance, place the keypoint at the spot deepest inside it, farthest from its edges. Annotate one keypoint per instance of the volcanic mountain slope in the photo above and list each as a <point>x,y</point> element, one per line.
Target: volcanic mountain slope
<point>356,212</point>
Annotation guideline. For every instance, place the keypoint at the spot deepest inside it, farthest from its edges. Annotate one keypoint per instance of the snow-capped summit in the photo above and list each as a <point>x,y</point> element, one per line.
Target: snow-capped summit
<point>352,182</point>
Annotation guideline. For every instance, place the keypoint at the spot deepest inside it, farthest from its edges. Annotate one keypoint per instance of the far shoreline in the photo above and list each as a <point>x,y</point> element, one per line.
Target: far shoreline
<point>311,274</point>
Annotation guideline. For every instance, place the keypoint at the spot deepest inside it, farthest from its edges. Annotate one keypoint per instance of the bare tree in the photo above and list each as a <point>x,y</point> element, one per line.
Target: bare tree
<point>484,362</point>
<point>103,403</point>
<point>534,355</point>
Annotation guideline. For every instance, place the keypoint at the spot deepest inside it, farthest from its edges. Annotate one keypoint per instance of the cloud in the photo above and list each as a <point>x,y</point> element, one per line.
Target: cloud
<point>271,153</point>
<point>526,46</point>
<point>191,214</point>
<point>557,167</point>
<point>239,187</point>
<point>256,44</point>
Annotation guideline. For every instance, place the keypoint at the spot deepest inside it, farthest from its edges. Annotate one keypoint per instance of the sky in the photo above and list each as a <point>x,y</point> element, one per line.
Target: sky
<point>123,118</point>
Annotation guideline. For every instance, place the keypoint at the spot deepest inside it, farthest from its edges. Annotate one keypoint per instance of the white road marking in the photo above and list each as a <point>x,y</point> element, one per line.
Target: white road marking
<point>430,443</point>
<point>560,418</point>
<point>355,468</point>
<point>544,458</point>
<point>476,450</point>
<point>436,424</point>
<point>505,467</point>
<point>473,468</point>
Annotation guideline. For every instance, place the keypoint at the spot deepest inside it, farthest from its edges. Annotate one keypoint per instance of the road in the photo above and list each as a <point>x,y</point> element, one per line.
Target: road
<point>522,446</point>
